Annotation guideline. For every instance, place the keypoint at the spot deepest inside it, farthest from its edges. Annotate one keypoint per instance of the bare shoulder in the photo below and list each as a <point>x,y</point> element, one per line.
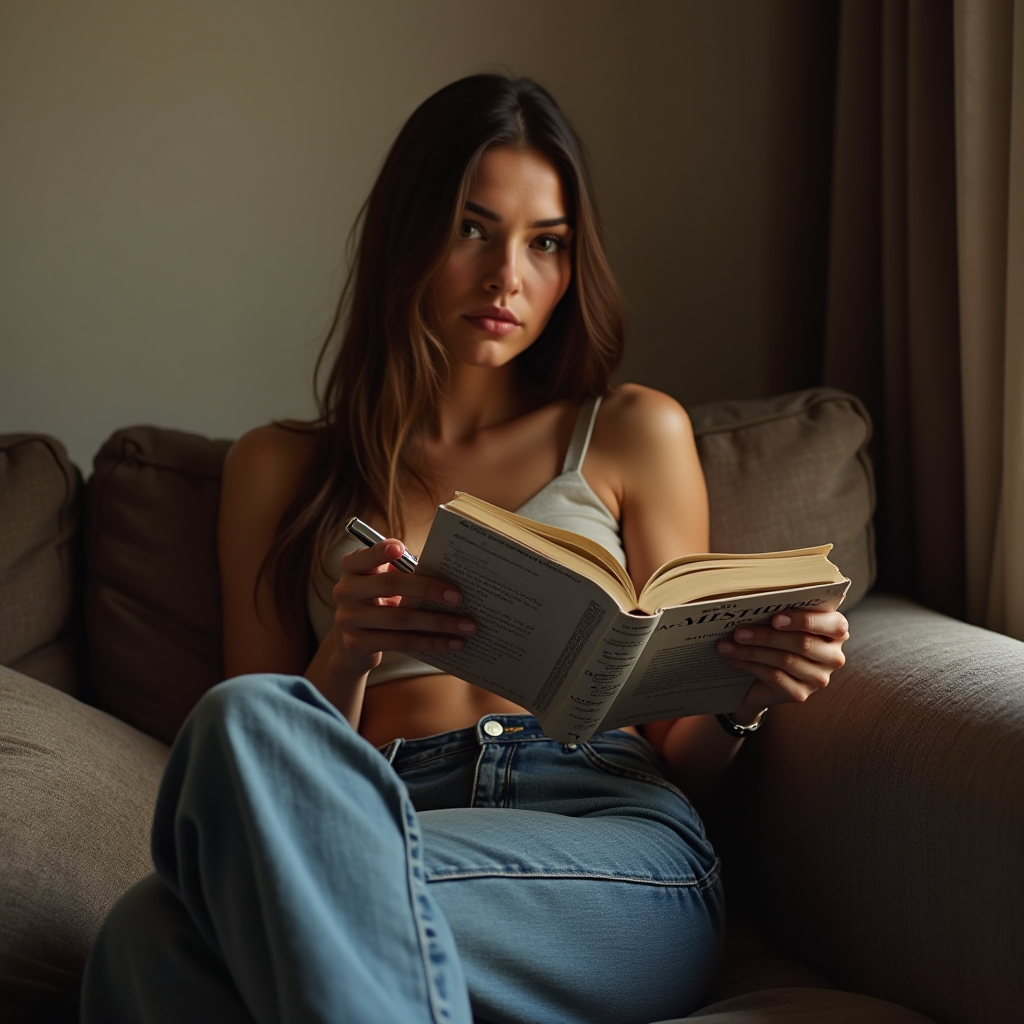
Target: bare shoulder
<point>641,450</point>
<point>267,464</point>
<point>272,451</point>
<point>635,417</point>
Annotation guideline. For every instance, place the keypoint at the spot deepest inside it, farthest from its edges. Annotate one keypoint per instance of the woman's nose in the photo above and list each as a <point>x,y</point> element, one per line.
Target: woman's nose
<point>502,278</point>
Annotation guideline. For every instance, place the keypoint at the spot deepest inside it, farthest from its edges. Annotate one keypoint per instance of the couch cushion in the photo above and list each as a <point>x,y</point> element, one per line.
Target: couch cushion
<point>756,984</point>
<point>791,471</point>
<point>804,1006</point>
<point>39,510</point>
<point>78,794</point>
<point>153,600</point>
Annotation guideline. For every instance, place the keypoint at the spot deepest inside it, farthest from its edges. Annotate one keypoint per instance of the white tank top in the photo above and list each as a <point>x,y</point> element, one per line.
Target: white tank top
<point>568,501</point>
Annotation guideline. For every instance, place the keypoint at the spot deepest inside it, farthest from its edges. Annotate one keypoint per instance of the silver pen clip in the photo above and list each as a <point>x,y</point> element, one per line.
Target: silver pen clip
<point>369,536</point>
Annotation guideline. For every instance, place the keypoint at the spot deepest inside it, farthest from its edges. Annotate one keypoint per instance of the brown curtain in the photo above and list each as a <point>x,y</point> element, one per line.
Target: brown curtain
<point>892,322</point>
<point>989,37</point>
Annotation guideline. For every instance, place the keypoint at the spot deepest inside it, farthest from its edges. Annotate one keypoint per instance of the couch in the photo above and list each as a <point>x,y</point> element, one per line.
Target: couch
<point>872,838</point>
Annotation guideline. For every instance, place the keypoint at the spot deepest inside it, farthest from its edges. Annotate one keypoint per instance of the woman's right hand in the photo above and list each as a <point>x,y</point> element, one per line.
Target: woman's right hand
<point>376,610</point>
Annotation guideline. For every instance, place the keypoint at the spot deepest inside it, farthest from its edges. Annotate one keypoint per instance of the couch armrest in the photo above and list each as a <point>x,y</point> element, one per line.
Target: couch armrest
<point>78,790</point>
<point>891,816</point>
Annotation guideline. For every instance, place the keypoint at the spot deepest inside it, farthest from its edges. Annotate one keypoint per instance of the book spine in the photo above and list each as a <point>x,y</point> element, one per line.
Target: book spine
<point>600,678</point>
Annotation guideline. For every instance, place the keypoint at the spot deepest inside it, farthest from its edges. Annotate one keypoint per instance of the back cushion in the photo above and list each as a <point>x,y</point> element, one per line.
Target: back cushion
<point>40,492</point>
<point>153,601</point>
<point>792,471</point>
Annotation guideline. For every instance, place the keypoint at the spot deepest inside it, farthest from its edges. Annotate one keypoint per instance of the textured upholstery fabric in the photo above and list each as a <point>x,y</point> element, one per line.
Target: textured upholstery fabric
<point>804,1006</point>
<point>77,790</point>
<point>791,471</point>
<point>892,817</point>
<point>39,510</point>
<point>153,599</point>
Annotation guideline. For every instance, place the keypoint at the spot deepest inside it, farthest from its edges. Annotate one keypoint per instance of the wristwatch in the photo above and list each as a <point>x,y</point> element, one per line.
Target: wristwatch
<point>737,730</point>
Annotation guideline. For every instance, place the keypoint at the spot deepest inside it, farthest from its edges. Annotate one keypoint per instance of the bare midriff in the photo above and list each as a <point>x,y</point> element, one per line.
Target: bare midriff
<point>426,705</point>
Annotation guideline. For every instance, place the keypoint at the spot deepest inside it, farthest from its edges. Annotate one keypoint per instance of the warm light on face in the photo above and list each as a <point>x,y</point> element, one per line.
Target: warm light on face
<point>512,262</point>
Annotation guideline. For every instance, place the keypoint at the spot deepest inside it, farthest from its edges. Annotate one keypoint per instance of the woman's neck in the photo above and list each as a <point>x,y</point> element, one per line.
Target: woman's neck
<point>479,398</point>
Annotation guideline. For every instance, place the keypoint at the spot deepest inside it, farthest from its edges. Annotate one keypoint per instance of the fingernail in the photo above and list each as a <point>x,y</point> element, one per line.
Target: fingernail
<point>467,626</point>
<point>726,646</point>
<point>782,620</point>
<point>455,644</point>
<point>744,634</point>
<point>452,596</point>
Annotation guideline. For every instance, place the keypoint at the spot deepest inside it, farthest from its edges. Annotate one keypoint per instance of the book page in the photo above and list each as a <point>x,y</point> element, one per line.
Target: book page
<point>573,550</point>
<point>711,577</point>
<point>681,672</point>
<point>537,620</point>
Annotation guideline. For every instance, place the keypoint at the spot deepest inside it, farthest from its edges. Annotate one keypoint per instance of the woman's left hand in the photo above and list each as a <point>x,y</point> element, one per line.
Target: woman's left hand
<point>790,659</point>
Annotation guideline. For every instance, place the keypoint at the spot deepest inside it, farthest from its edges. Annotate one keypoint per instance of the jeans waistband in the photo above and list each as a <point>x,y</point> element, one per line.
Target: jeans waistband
<point>497,729</point>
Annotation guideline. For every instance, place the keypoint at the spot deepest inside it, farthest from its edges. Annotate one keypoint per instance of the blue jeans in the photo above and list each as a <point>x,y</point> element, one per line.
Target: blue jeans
<point>488,874</point>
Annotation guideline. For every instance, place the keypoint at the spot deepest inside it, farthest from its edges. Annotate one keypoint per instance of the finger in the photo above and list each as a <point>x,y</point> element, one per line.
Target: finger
<point>763,695</point>
<point>811,645</point>
<point>373,559</point>
<point>369,641</point>
<point>776,647</point>
<point>830,624</point>
<point>779,686</point>
<point>399,618</point>
<point>803,670</point>
<point>377,584</point>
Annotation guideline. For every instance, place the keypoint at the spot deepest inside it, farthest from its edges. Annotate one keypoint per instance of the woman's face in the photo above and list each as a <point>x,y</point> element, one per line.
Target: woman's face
<point>511,265</point>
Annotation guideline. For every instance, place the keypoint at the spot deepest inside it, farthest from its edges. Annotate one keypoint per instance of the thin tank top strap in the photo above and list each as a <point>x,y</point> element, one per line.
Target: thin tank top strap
<point>581,435</point>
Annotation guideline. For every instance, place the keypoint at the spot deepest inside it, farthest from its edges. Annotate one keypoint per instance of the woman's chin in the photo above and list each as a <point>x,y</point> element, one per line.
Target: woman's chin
<point>488,355</point>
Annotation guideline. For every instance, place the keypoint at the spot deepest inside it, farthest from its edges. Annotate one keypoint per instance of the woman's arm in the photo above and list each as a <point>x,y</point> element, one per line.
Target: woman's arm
<point>647,449</point>
<point>262,474</point>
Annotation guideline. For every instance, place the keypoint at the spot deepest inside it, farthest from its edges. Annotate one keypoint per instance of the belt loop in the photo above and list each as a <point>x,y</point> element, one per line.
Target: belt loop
<point>390,750</point>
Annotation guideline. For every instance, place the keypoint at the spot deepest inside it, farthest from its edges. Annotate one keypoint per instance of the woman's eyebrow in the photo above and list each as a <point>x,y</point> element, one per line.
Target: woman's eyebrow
<point>552,222</point>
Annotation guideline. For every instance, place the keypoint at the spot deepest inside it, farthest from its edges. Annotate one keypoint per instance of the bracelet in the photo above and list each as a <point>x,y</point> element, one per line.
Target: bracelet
<point>737,730</point>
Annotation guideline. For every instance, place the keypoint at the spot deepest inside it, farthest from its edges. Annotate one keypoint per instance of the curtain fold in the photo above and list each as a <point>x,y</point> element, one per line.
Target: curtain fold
<point>990,123</point>
<point>984,62</point>
<point>892,334</point>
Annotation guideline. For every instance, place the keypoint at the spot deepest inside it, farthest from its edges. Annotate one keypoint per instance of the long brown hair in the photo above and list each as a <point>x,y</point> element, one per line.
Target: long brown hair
<point>381,388</point>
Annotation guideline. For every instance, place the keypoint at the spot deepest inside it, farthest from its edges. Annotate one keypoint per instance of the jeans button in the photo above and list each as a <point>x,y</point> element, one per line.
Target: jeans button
<point>493,728</point>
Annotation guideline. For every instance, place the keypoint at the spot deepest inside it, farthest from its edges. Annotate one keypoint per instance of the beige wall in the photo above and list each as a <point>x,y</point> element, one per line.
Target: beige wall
<point>177,181</point>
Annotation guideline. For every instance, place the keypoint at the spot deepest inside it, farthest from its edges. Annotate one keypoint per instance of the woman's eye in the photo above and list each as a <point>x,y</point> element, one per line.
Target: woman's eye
<point>549,243</point>
<point>470,229</point>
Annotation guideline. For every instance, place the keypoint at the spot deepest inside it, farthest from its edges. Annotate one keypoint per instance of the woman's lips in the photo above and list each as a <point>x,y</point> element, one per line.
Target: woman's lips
<point>491,325</point>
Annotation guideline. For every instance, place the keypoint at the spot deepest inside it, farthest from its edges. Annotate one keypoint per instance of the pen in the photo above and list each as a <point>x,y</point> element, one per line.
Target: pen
<point>369,536</point>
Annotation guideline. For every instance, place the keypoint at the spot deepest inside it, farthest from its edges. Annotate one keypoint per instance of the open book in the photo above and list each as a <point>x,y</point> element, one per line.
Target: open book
<point>563,633</point>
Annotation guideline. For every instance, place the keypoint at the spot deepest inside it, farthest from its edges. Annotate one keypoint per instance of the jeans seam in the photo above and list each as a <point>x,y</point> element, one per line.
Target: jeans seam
<point>507,794</point>
<point>426,759</point>
<point>426,941</point>
<point>705,881</point>
<point>627,741</point>
<point>476,776</point>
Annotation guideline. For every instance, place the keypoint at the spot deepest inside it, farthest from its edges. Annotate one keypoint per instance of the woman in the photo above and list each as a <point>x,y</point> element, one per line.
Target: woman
<point>477,870</point>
